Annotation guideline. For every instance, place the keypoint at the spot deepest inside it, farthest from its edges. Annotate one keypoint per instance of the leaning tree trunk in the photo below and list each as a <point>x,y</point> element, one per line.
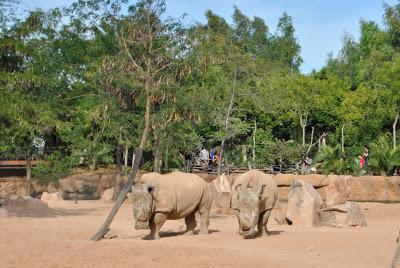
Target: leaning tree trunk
<point>157,161</point>
<point>394,130</point>
<point>118,177</point>
<point>132,176</point>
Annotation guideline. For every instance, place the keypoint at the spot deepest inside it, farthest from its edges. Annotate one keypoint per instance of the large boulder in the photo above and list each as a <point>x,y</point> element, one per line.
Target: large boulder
<point>348,214</point>
<point>337,191</point>
<point>222,184</point>
<point>304,204</point>
<point>80,187</point>
<point>108,194</point>
<point>53,197</point>
<point>26,206</point>
<point>221,200</point>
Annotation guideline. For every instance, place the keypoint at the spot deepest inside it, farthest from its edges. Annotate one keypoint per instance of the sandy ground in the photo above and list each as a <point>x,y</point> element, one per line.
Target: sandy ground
<point>63,241</point>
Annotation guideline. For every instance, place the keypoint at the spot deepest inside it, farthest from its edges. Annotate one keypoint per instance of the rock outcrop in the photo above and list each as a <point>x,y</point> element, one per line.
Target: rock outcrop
<point>304,204</point>
<point>53,197</point>
<point>348,214</point>
<point>337,191</point>
<point>26,206</point>
<point>86,186</point>
<point>108,194</point>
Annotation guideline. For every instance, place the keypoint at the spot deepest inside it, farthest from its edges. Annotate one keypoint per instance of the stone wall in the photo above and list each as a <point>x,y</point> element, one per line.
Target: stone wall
<point>83,186</point>
<point>91,185</point>
<point>363,188</point>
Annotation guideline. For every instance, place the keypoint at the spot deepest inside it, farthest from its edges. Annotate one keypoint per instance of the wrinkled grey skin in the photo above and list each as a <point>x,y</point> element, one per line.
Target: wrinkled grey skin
<point>142,205</point>
<point>248,213</point>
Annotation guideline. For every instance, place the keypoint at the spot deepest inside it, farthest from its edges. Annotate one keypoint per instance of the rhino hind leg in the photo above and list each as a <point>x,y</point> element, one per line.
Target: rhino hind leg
<point>190,223</point>
<point>262,223</point>
<point>204,210</point>
<point>204,220</point>
<point>156,223</point>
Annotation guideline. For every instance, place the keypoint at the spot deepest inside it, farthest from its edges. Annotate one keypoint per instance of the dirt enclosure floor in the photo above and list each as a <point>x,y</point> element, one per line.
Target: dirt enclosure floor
<point>62,240</point>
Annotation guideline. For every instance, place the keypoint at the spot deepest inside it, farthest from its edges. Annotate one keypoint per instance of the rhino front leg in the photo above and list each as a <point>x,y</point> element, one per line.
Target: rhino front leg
<point>155,225</point>
<point>190,223</point>
<point>262,223</point>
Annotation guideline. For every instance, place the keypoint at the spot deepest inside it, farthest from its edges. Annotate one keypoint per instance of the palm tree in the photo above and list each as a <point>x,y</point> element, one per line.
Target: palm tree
<point>330,160</point>
<point>384,158</point>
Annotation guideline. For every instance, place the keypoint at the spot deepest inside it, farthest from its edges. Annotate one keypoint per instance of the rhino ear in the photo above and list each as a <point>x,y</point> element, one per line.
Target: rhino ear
<point>238,189</point>
<point>150,189</point>
<point>260,191</point>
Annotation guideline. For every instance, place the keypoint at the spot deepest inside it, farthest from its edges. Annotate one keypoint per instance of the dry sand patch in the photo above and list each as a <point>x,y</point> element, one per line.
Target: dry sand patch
<point>62,240</point>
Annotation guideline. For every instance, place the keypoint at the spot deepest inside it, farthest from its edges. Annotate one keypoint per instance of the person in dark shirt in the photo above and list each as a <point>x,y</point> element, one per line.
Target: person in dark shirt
<point>366,156</point>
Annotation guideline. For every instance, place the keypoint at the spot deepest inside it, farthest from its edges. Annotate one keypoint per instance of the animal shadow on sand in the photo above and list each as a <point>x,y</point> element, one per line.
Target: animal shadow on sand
<point>270,233</point>
<point>172,234</point>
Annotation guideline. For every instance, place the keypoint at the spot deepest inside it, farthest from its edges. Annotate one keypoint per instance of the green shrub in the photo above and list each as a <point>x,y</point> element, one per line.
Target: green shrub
<point>330,160</point>
<point>53,167</point>
<point>384,158</point>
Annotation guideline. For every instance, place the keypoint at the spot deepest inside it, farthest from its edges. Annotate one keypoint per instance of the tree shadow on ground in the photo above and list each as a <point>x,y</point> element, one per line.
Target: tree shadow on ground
<point>50,212</point>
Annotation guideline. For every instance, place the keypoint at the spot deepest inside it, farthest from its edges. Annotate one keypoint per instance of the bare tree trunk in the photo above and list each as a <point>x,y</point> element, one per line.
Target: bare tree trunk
<point>126,155</point>
<point>311,140</point>
<point>394,130</point>
<point>118,178</point>
<point>343,138</point>
<point>303,124</point>
<point>157,161</point>
<point>322,137</point>
<point>133,157</point>
<point>28,174</point>
<point>148,80</point>
<point>132,177</point>
<point>228,113</point>
<point>254,141</point>
<point>105,227</point>
<point>244,153</point>
<point>312,135</point>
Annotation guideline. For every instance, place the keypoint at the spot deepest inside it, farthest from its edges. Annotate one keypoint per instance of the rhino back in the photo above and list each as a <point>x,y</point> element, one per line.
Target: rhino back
<point>255,178</point>
<point>176,193</point>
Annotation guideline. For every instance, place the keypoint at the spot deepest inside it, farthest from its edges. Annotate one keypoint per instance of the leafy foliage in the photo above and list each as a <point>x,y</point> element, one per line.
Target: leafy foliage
<point>81,78</point>
<point>384,158</point>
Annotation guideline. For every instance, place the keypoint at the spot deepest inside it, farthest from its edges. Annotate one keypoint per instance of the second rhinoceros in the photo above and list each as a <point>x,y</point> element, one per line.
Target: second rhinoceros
<point>253,197</point>
<point>172,196</point>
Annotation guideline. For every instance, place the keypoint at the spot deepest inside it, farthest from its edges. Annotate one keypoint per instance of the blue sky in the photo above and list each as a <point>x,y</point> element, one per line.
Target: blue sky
<point>319,24</point>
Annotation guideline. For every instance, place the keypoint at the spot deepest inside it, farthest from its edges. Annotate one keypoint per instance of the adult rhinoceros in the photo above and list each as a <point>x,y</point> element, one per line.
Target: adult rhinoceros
<point>253,197</point>
<point>172,196</point>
